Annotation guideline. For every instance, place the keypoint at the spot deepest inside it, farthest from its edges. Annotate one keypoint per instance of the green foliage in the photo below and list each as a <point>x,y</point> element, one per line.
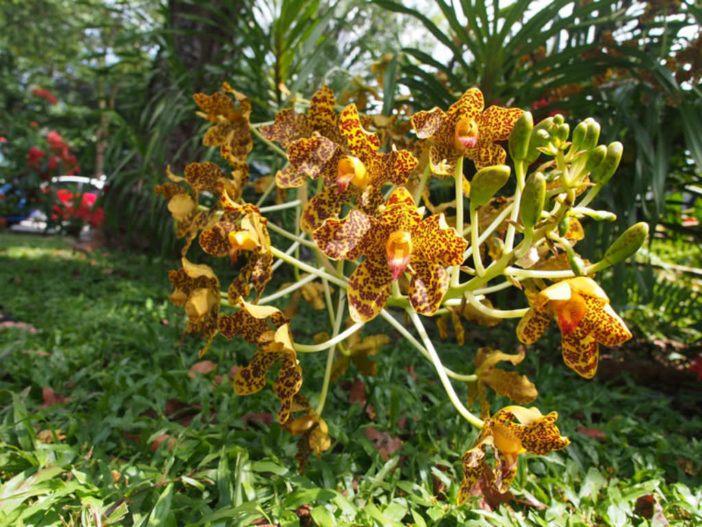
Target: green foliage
<point>116,350</point>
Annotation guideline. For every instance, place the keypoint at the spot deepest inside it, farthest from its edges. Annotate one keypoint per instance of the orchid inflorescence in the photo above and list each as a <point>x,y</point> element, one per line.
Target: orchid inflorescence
<point>361,214</point>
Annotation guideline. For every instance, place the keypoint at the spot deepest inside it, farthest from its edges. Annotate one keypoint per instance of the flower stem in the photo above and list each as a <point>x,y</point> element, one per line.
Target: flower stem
<point>308,268</point>
<point>290,236</point>
<point>273,208</point>
<point>410,338</point>
<point>445,381</point>
<point>419,191</point>
<point>496,313</point>
<point>520,172</point>
<point>475,243</point>
<point>316,348</point>
<point>458,177</point>
<point>270,144</point>
<point>297,285</point>
<point>330,355</point>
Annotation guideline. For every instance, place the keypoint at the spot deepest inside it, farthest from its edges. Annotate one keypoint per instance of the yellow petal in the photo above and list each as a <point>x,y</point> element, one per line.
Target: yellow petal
<point>532,326</point>
<point>580,354</point>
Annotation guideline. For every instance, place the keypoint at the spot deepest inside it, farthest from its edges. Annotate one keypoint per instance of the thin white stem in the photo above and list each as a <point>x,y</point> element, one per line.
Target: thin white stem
<point>440,370</point>
<point>315,348</point>
<point>491,228</point>
<point>287,205</point>
<point>475,243</point>
<point>294,287</point>
<point>526,273</point>
<point>519,169</point>
<point>308,268</point>
<point>271,145</point>
<point>290,236</point>
<point>496,313</point>
<point>266,192</point>
<point>493,288</point>
<point>410,338</point>
<point>330,356</point>
<point>458,177</point>
<point>290,250</point>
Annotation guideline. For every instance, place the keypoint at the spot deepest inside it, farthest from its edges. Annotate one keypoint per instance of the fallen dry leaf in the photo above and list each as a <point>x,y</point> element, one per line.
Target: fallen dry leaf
<point>51,397</point>
<point>593,433</point>
<point>160,440</point>
<point>357,393</point>
<point>47,436</point>
<point>649,507</point>
<point>384,442</point>
<point>204,367</point>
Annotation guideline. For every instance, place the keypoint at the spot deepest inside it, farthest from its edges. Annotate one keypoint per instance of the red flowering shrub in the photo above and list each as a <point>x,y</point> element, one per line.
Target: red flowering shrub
<point>45,94</point>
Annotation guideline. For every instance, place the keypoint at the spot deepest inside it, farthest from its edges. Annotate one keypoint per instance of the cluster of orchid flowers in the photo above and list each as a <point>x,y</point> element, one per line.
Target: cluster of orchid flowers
<point>357,203</point>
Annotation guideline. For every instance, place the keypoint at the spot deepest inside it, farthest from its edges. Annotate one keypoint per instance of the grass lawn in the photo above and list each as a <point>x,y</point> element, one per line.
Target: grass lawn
<point>103,422</point>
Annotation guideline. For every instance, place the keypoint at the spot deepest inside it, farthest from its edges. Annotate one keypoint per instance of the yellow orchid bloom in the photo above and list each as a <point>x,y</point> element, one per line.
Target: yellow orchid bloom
<point>585,317</point>
<point>398,240</point>
<point>465,130</point>
<point>534,433</point>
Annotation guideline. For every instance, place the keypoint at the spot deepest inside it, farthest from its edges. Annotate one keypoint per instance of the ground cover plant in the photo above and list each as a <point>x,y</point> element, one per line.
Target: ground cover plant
<point>109,417</point>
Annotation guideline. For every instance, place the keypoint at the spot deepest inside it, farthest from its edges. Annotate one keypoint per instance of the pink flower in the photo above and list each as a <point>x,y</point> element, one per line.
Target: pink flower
<point>45,94</point>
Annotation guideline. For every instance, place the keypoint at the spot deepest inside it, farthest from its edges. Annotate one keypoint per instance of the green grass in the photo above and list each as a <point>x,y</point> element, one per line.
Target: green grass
<point>108,338</point>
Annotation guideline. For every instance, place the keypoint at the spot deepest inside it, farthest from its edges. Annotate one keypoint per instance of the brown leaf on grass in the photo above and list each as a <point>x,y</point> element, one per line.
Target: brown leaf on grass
<point>165,322</point>
<point>160,440</point>
<point>384,442</point>
<point>51,397</point>
<point>14,324</point>
<point>357,393</point>
<point>303,512</point>
<point>47,436</point>
<point>204,367</point>
<point>649,507</point>
<point>38,353</point>
<point>593,433</point>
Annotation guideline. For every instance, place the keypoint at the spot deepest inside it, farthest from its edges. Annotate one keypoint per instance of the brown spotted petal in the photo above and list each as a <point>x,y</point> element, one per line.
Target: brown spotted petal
<point>169,189</point>
<point>289,126</point>
<point>532,325</point>
<point>315,157</point>
<point>580,354</point>
<point>428,286</point>
<point>325,204</point>
<point>468,106</point>
<point>542,436</point>
<point>363,144</point>
<point>204,176</point>
<point>215,240</point>
<point>322,116</point>
<point>400,212</point>
<point>251,322</point>
<point>342,239</point>
<point>430,124</point>
<point>443,159</point>
<point>369,288</point>
<point>398,165</point>
<point>252,377</point>
<point>437,242</point>
<point>289,178</point>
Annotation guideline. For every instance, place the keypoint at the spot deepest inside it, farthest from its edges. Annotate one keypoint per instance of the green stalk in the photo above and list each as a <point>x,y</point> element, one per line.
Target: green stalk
<point>458,177</point>
<point>440,370</point>
<point>330,355</point>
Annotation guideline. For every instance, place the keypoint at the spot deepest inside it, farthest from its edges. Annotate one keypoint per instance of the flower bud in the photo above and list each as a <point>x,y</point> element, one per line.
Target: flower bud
<point>606,169</point>
<point>627,243</point>
<point>540,137</point>
<point>486,183</point>
<point>533,198</point>
<point>560,134</point>
<point>592,135</point>
<point>579,133</point>
<point>595,157</point>
<point>576,263</point>
<point>519,139</point>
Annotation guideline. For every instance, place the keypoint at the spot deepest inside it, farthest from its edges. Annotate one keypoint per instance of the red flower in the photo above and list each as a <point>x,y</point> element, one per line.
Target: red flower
<point>2,139</point>
<point>696,367</point>
<point>34,124</point>
<point>56,142</point>
<point>34,156</point>
<point>45,94</point>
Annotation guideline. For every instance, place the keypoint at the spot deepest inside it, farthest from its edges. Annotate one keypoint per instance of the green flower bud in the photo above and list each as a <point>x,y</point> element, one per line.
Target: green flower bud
<point>533,198</point>
<point>606,169</point>
<point>558,119</point>
<point>540,137</point>
<point>563,226</point>
<point>560,134</point>
<point>519,140</point>
<point>595,157</point>
<point>592,135</point>
<point>579,133</point>
<point>486,183</point>
<point>627,243</point>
